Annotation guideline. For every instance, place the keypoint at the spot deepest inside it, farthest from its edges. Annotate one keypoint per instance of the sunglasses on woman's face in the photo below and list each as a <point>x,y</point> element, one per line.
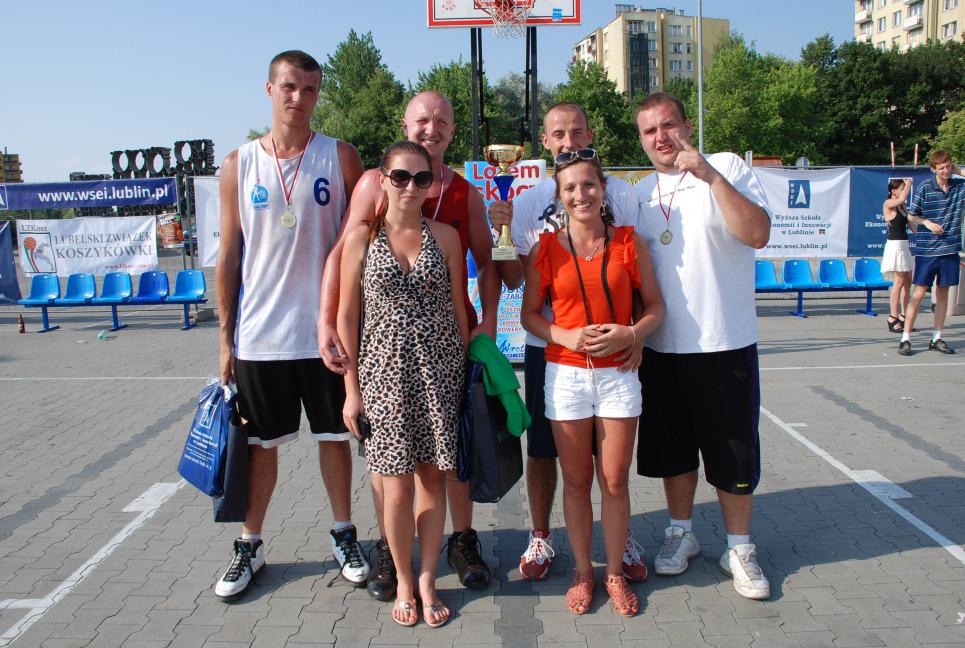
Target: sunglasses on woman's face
<point>566,157</point>
<point>400,178</point>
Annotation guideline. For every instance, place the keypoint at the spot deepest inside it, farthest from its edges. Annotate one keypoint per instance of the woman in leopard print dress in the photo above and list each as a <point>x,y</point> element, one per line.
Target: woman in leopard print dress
<point>406,372</point>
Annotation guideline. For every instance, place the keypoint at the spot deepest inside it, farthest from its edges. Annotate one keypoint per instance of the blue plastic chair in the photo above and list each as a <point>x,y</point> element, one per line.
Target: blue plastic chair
<point>188,289</point>
<point>867,274</point>
<point>44,291</point>
<point>81,289</point>
<point>765,277</point>
<point>834,274</point>
<point>797,276</point>
<point>152,288</point>
<point>116,290</point>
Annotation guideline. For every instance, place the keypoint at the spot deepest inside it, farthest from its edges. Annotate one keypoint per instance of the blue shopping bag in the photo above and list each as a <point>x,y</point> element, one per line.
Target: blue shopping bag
<point>203,459</point>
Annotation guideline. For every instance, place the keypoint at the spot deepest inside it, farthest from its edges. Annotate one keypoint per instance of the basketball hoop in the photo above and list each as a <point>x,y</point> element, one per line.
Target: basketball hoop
<point>509,16</point>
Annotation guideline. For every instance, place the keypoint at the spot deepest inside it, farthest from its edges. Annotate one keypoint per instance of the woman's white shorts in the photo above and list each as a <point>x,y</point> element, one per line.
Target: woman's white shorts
<point>579,392</point>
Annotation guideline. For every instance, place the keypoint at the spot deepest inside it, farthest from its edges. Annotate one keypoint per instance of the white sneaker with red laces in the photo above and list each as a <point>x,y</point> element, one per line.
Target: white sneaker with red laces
<point>535,562</point>
<point>634,563</point>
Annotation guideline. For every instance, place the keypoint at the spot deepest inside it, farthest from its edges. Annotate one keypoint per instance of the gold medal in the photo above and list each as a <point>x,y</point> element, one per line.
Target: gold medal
<point>288,219</point>
<point>666,237</point>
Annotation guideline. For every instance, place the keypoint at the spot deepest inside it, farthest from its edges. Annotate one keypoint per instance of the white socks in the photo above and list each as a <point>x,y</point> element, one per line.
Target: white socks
<point>733,540</point>
<point>686,525</point>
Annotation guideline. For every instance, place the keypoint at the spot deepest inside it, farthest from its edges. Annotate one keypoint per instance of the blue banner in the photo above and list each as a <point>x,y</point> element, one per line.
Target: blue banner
<point>9,288</point>
<point>96,193</point>
<point>867,230</point>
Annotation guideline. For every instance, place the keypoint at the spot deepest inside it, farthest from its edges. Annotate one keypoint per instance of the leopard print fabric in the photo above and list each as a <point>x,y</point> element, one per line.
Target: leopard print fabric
<point>411,361</point>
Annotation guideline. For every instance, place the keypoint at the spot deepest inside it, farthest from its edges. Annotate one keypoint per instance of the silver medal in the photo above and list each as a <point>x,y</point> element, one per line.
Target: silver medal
<point>666,237</point>
<point>288,219</point>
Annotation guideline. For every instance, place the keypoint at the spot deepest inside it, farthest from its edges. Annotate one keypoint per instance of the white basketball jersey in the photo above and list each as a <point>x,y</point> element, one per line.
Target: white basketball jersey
<point>281,269</point>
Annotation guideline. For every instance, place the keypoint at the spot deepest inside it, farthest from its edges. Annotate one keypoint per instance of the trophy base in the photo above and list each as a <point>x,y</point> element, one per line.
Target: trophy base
<point>504,254</point>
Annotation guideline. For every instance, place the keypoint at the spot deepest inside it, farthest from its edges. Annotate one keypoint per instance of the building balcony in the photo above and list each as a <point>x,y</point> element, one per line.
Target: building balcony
<point>911,2</point>
<point>864,38</point>
<point>862,16</point>
<point>912,22</point>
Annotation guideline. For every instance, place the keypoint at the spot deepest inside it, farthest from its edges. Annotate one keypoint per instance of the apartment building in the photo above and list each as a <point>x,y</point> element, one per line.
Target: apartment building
<point>641,49</point>
<point>908,23</point>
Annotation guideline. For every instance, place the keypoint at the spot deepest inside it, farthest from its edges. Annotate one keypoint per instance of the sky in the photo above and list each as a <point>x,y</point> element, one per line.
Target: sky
<point>84,79</point>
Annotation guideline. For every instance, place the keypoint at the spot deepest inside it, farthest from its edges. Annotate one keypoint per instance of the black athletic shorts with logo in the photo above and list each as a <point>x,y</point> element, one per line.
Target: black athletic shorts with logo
<point>706,403</point>
<point>271,394</point>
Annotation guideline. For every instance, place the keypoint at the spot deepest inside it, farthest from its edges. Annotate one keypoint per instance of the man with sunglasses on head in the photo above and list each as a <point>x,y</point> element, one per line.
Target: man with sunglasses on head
<point>429,121</point>
<point>567,134</point>
<point>702,218</point>
<point>282,200</point>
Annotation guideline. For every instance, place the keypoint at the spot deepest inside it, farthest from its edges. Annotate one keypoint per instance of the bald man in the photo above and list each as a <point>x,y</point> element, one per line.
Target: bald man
<point>429,121</point>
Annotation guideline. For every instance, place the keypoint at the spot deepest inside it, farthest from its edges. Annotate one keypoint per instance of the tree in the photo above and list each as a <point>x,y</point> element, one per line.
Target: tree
<point>951,136</point>
<point>360,99</point>
<point>254,133</point>
<point>614,131</point>
<point>510,95</point>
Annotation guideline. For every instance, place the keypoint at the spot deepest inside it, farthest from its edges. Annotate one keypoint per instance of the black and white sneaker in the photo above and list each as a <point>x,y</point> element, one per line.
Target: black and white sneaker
<point>348,553</point>
<point>247,560</point>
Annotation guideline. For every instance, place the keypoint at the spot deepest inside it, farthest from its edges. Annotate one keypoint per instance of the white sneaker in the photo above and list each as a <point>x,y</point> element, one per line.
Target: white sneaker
<point>741,563</point>
<point>634,562</point>
<point>678,548</point>
<point>348,553</point>
<point>248,559</point>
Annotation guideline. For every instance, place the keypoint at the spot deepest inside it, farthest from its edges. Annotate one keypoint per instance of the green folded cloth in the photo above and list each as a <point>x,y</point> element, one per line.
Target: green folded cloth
<point>499,380</point>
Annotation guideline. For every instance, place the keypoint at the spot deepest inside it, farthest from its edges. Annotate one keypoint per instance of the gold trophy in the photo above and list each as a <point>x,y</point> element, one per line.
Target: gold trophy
<point>504,156</point>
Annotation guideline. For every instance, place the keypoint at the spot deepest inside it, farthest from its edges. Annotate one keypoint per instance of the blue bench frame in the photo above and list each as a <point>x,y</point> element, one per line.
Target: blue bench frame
<point>867,274</point>
<point>45,293</point>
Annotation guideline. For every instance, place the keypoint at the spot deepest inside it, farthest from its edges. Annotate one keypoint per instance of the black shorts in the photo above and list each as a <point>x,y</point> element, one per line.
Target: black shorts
<point>701,402</point>
<point>539,436</point>
<point>271,393</point>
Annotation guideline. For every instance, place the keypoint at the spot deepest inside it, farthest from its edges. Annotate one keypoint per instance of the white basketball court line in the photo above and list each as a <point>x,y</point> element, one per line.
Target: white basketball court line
<point>147,504</point>
<point>881,488</point>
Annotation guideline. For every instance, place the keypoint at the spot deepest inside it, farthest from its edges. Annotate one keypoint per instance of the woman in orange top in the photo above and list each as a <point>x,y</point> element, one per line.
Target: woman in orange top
<point>590,271</point>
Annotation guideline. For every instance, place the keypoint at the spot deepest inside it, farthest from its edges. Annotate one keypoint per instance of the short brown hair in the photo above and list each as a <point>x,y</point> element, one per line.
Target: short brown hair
<point>938,156</point>
<point>298,58</point>
<point>566,105</point>
<point>657,98</point>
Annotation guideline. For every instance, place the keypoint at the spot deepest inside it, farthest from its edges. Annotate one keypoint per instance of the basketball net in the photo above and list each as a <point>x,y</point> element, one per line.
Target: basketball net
<point>509,16</point>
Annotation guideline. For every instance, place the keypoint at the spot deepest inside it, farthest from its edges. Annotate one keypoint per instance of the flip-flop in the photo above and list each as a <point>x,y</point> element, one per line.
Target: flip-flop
<point>435,609</point>
<point>409,608</point>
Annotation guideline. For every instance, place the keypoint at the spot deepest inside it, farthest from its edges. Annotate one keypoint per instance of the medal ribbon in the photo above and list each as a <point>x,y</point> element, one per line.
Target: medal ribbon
<point>287,193</point>
<point>666,212</point>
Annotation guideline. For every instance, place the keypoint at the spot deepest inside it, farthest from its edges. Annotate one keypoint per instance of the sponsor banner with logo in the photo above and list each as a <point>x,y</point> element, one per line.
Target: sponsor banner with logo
<point>207,216</point>
<point>9,288</point>
<point>169,229</point>
<point>94,193</point>
<point>510,336</point>
<point>94,245</point>
<point>809,212</point>
<point>868,230</point>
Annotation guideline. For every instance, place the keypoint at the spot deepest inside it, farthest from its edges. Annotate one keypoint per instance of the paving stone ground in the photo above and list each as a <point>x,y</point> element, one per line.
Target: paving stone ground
<point>88,426</point>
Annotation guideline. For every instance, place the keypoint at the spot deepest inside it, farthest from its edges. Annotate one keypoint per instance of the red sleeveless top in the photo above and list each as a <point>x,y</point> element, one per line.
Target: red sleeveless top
<point>454,211</point>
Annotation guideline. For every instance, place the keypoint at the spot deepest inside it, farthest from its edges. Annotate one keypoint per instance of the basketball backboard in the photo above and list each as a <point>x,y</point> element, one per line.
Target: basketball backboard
<point>467,13</point>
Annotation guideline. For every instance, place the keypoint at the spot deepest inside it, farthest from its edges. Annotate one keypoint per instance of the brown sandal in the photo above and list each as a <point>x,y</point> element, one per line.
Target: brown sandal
<point>623,599</point>
<point>580,595</point>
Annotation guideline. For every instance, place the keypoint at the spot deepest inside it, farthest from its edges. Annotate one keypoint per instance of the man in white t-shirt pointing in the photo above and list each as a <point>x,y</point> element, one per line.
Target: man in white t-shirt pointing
<point>702,218</point>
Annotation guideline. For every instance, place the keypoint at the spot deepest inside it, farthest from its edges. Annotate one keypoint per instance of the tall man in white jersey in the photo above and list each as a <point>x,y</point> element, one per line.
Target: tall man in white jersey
<point>282,200</point>
<point>429,121</point>
<point>565,130</point>
<point>702,217</point>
